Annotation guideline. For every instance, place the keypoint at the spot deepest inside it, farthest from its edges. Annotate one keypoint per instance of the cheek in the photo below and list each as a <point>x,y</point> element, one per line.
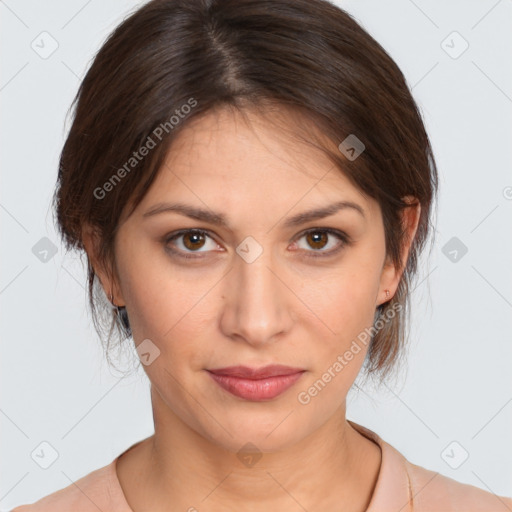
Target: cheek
<point>345,302</point>
<point>165,305</point>
<point>347,298</point>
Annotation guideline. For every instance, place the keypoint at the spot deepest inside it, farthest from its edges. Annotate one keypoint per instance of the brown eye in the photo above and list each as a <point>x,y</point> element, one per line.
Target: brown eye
<point>193,240</point>
<point>187,242</point>
<point>318,239</point>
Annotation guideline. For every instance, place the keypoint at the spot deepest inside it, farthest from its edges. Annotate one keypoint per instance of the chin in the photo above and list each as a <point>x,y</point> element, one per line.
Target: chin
<point>268,431</point>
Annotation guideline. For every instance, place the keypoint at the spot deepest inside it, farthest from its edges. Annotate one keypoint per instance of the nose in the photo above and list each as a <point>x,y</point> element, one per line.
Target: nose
<point>258,304</point>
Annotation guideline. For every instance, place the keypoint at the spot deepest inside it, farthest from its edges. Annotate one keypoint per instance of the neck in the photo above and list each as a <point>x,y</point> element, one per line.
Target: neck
<point>335,468</point>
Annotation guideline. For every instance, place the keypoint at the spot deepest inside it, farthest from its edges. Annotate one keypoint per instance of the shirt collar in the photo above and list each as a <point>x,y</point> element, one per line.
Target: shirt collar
<point>392,490</point>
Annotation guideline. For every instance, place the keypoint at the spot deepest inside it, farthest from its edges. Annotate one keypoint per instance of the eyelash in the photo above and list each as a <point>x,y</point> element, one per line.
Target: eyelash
<point>343,237</point>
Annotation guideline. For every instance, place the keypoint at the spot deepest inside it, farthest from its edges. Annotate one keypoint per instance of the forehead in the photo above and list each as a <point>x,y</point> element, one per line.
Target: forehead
<point>234,160</point>
<point>226,142</point>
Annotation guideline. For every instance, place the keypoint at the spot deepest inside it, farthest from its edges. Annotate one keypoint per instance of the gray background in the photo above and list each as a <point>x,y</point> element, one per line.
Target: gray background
<point>56,386</point>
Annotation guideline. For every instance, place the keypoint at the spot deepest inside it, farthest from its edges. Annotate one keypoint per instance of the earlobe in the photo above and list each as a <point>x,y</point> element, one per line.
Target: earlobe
<point>390,277</point>
<point>389,280</point>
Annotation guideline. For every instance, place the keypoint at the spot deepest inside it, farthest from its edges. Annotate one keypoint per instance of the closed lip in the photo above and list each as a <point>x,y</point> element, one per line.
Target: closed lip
<point>246,372</point>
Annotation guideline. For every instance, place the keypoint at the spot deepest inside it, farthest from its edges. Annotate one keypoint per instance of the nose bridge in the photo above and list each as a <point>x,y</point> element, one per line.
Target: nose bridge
<point>259,302</point>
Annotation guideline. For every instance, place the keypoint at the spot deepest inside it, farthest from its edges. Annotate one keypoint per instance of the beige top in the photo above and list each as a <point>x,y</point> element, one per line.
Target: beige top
<point>401,487</point>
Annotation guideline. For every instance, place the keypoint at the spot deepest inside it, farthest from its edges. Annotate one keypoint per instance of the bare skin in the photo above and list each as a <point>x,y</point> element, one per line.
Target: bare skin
<point>285,307</point>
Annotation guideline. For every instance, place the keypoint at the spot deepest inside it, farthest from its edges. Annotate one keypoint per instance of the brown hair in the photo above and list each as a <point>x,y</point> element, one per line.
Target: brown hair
<point>171,61</point>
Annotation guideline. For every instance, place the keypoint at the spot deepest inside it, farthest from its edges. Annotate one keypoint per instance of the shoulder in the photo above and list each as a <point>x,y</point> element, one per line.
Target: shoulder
<point>404,486</point>
<point>431,491</point>
<point>95,491</point>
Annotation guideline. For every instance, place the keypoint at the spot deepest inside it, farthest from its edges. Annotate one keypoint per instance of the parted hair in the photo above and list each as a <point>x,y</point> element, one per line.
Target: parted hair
<point>170,61</point>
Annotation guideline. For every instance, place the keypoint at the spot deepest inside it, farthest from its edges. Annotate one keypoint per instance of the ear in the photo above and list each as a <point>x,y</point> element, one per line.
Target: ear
<point>390,277</point>
<point>91,239</point>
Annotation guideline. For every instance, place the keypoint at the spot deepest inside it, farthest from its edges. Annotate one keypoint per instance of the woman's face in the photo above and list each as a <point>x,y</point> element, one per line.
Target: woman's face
<point>256,291</point>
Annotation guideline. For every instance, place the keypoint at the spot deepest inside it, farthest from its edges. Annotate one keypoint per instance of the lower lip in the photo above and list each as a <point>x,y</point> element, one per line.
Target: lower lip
<point>256,390</point>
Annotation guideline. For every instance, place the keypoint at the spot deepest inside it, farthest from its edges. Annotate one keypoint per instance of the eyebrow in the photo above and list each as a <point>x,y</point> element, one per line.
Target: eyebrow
<point>220,219</point>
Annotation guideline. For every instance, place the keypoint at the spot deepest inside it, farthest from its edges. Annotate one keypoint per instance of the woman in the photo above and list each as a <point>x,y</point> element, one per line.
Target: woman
<point>252,184</point>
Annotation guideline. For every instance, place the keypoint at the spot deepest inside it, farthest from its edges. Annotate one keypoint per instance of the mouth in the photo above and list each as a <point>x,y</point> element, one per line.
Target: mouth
<point>256,384</point>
